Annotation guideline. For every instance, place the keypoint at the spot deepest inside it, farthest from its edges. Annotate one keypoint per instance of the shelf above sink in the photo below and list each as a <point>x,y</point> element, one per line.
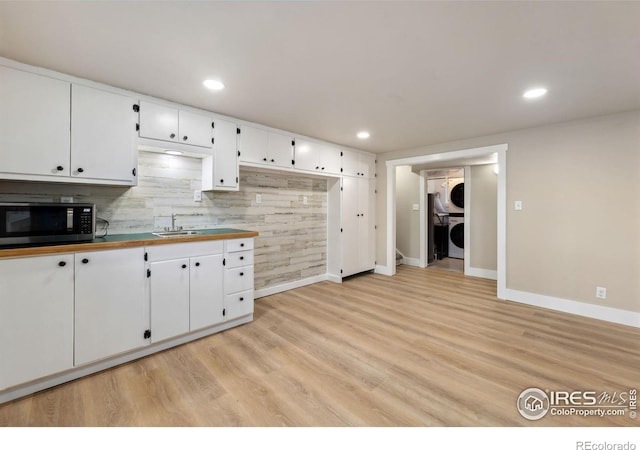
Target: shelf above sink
<point>175,233</point>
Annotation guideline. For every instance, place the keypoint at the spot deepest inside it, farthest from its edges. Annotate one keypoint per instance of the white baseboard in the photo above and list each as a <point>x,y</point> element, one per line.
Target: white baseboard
<point>384,270</point>
<point>334,278</point>
<point>482,273</point>
<point>294,284</point>
<point>415,262</point>
<point>606,313</point>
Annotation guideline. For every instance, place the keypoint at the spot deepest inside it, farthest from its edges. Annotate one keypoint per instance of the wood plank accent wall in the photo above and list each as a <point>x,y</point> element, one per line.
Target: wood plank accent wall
<point>293,237</point>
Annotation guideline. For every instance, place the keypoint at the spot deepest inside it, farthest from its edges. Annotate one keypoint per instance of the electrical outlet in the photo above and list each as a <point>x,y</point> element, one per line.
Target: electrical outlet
<point>197,196</point>
<point>518,205</point>
<point>305,200</point>
<point>416,207</point>
<point>258,198</point>
<point>601,292</point>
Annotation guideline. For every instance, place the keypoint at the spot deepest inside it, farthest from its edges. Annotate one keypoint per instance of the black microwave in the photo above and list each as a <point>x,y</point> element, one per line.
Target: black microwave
<point>41,223</point>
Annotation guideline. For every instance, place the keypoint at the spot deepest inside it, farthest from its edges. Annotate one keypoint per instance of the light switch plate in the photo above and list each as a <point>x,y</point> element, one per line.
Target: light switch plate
<point>305,200</point>
<point>416,207</point>
<point>258,198</point>
<point>197,196</point>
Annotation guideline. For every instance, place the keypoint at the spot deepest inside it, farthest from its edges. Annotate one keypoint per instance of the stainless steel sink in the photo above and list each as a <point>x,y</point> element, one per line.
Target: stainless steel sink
<point>175,233</point>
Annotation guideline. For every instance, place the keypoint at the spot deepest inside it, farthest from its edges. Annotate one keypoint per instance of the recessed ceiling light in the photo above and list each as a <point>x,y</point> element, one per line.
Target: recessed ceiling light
<point>214,85</point>
<point>363,135</point>
<point>535,93</point>
<point>173,152</point>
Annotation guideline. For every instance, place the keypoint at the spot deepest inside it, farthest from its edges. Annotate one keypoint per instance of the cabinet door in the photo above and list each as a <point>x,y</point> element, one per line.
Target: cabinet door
<point>110,308</point>
<point>36,319</point>
<point>207,295</point>
<point>239,259</point>
<point>102,135</point>
<point>330,160</point>
<point>195,129</point>
<point>225,150</point>
<point>368,165</point>
<point>366,225</point>
<point>34,124</point>
<point>351,163</point>
<point>280,150</point>
<point>169,294</point>
<point>355,164</point>
<point>253,144</point>
<point>240,279</point>
<point>238,304</point>
<point>307,155</point>
<point>158,122</point>
<point>350,226</point>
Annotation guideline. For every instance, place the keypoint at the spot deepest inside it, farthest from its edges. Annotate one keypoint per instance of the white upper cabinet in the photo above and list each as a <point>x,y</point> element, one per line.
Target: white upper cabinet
<point>317,157</point>
<point>51,130</point>
<point>170,124</point>
<point>158,122</point>
<point>280,150</point>
<point>358,164</point>
<point>34,124</point>
<point>265,147</point>
<point>253,144</point>
<point>220,171</point>
<point>195,129</point>
<point>102,135</point>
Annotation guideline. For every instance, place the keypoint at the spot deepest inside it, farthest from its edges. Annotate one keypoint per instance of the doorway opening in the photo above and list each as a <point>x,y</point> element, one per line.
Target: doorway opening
<point>445,217</point>
<point>495,154</point>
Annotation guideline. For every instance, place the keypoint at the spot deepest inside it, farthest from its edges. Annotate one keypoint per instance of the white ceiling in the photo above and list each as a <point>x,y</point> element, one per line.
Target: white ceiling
<point>412,73</point>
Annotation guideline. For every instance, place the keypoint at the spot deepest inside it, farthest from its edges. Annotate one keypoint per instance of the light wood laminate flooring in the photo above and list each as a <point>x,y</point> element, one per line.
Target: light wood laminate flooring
<point>423,348</point>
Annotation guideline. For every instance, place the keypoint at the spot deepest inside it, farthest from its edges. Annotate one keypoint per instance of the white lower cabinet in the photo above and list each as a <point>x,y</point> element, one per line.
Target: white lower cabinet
<point>185,283</point>
<point>206,295</point>
<point>110,307</point>
<point>169,294</point>
<point>238,278</point>
<point>63,316</point>
<point>36,317</point>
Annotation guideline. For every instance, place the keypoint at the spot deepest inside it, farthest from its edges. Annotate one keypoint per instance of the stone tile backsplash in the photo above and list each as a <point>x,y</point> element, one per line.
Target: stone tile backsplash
<point>293,236</point>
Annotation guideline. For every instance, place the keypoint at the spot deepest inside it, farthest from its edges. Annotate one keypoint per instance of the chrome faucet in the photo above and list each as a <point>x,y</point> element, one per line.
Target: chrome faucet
<point>173,224</point>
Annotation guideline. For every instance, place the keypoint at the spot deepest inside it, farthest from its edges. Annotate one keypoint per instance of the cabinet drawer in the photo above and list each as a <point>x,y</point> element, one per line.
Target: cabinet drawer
<point>236,280</point>
<point>186,250</point>
<point>238,305</point>
<point>238,259</point>
<point>238,245</point>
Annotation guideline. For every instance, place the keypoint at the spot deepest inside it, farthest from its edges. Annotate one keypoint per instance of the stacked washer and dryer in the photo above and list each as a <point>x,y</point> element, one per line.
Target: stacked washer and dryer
<point>456,218</point>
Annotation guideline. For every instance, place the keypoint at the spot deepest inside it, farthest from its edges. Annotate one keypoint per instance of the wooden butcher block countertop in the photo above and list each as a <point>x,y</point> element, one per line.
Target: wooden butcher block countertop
<point>124,241</point>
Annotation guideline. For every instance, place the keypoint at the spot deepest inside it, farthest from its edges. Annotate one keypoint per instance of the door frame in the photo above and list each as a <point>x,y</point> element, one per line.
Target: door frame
<point>455,157</point>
